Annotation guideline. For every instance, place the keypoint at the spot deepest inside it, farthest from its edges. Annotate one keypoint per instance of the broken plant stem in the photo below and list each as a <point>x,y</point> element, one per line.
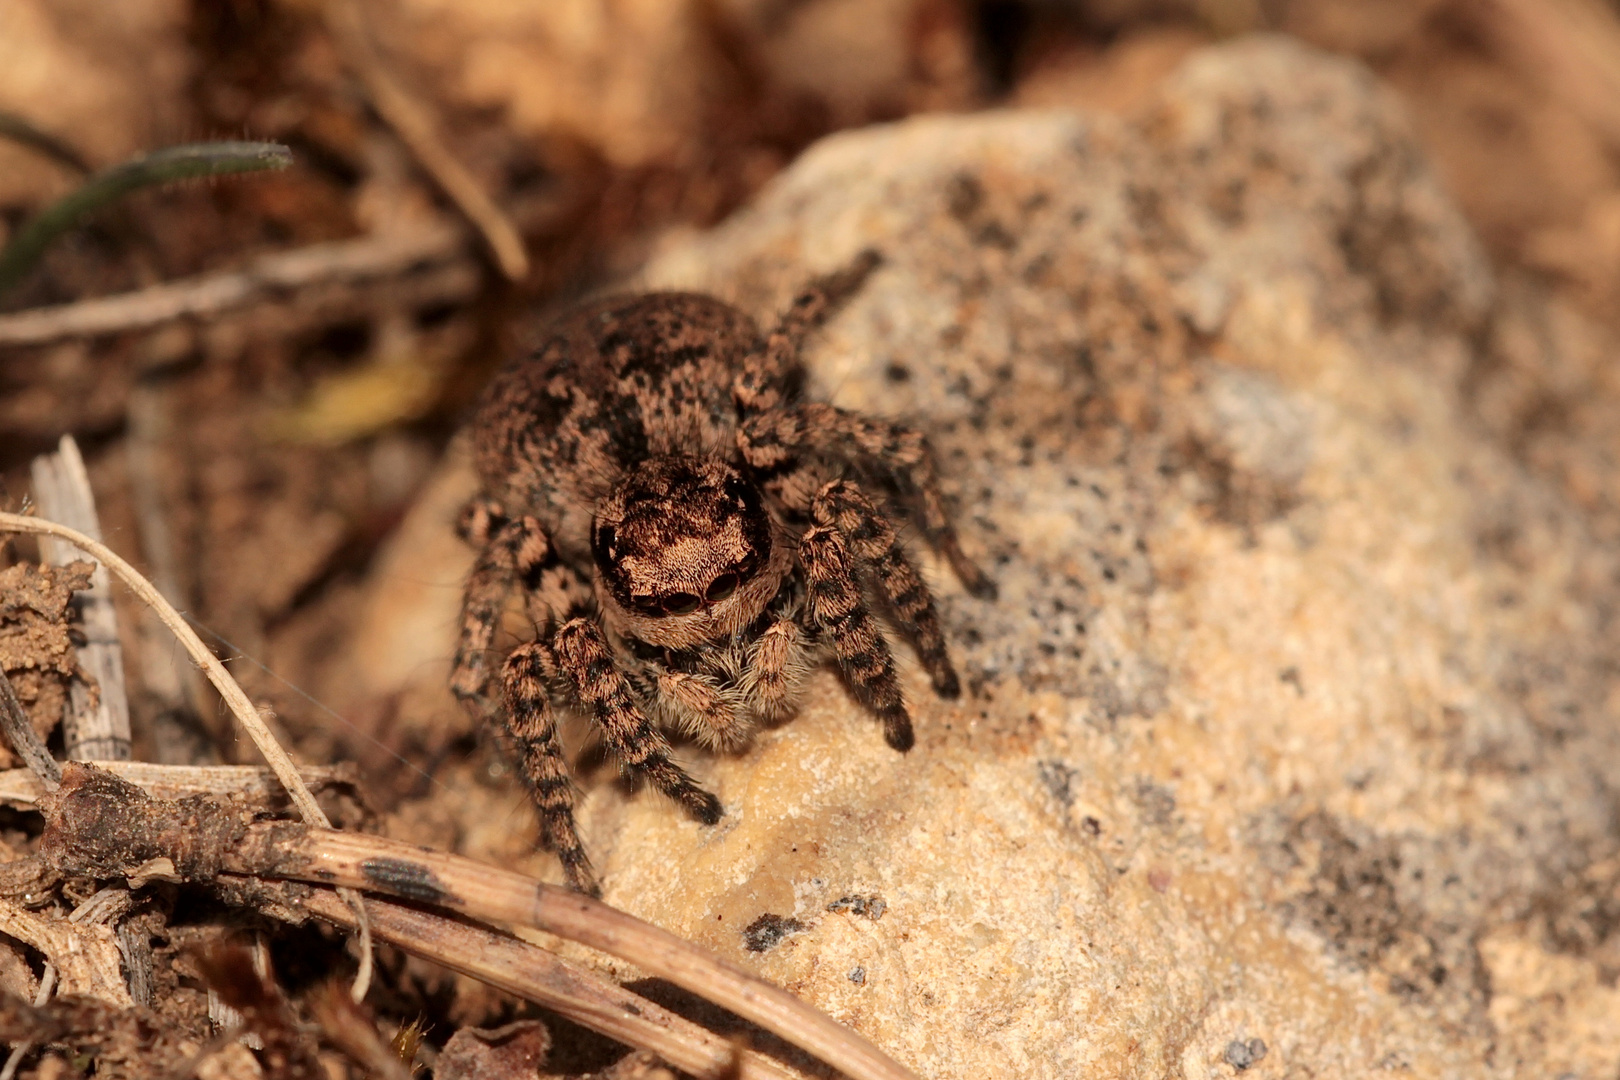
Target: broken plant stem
<point>238,702</point>
<point>253,783</point>
<point>417,130</point>
<point>207,295</point>
<point>544,978</point>
<point>96,726</point>
<point>240,706</point>
<point>24,739</point>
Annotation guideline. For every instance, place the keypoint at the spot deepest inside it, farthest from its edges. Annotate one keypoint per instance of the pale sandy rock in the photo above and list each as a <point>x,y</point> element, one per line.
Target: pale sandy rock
<point>1295,720</point>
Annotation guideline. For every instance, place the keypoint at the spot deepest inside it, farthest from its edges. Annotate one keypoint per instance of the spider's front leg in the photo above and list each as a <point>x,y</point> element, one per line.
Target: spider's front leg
<point>585,662</point>
<point>518,552</point>
<point>533,730</point>
<point>836,607</point>
<point>871,539</point>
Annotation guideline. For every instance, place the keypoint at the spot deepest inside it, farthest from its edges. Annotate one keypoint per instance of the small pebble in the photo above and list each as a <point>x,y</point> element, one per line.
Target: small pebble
<point>857,975</point>
<point>1241,1055</point>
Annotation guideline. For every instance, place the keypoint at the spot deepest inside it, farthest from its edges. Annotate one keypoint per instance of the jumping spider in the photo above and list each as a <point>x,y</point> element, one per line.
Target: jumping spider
<point>689,538</point>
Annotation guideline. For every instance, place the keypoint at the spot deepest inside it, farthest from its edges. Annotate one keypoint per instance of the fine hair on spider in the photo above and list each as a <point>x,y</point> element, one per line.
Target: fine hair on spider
<point>690,537</point>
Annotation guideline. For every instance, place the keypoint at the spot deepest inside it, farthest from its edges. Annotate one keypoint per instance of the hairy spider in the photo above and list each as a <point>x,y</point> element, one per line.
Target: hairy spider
<point>690,538</point>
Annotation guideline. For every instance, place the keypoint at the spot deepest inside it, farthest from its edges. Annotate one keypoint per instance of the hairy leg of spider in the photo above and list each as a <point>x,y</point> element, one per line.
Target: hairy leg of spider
<point>586,662</point>
<point>514,549</point>
<point>767,378</point>
<point>540,759</point>
<point>711,718</point>
<point>768,676</point>
<point>836,606</point>
<point>871,539</point>
<point>776,445</point>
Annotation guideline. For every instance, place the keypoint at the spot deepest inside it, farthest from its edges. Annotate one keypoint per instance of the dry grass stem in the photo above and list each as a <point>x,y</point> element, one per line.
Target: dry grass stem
<point>254,783</point>
<point>42,768</point>
<point>368,258</point>
<point>235,699</point>
<point>416,129</point>
<point>536,975</point>
<point>96,727</point>
<point>1573,45</point>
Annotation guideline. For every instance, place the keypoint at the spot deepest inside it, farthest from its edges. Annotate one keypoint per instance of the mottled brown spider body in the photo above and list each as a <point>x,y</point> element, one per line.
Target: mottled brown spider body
<point>690,539</point>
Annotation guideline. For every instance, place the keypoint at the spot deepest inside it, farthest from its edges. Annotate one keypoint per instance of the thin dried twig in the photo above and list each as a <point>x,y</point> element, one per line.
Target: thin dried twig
<point>532,973</point>
<point>240,706</point>
<point>255,783</point>
<point>47,986</point>
<point>365,259</point>
<point>416,129</point>
<point>97,724</point>
<point>1573,45</point>
<point>25,740</point>
<point>238,702</point>
<point>98,825</point>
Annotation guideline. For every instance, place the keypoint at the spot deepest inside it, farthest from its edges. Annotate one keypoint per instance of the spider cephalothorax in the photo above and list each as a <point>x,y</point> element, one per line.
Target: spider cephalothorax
<point>690,538</point>
<point>683,550</point>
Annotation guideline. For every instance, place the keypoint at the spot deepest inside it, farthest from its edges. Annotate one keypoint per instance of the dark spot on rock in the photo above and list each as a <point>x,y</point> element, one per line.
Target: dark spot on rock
<point>1241,1055</point>
<point>1059,779</point>
<point>767,931</point>
<point>857,975</point>
<point>872,907</point>
<point>406,879</point>
<point>964,195</point>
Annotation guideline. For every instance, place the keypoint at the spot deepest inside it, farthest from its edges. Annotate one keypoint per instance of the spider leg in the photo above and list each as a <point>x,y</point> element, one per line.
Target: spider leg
<point>585,662</point>
<point>530,723</point>
<point>508,549</point>
<point>701,709</point>
<point>769,377</point>
<point>770,682</point>
<point>784,447</point>
<point>837,608</point>
<point>518,552</point>
<point>871,539</point>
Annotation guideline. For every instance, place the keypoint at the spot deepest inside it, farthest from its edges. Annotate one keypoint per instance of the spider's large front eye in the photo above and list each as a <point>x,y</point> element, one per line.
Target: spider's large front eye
<point>681,603</point>
<point>721,587</point>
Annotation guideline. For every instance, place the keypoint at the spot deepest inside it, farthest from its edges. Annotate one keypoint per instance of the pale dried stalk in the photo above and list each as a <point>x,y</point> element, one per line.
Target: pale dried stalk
<point>235,699</point>
<point>1571,45</point>
<point>20,787</point>
<point>378,864</point>
<point>240,706</point>
<point>544,978</point>
<point>418,132</point>
<point>207,295</point>
<point>96,727</point>
<point>42,768</point>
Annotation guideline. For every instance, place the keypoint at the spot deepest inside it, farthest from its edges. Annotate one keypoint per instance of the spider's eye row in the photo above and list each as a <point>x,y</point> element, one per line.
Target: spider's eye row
<point>721,587</point>
<point>681,603</point>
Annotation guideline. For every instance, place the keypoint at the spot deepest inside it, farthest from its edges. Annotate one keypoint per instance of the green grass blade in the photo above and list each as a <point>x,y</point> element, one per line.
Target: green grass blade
<point>161,167</point>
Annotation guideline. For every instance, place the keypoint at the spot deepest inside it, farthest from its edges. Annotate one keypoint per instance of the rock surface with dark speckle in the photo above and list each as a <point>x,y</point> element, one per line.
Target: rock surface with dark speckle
<point>1297,714</point>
